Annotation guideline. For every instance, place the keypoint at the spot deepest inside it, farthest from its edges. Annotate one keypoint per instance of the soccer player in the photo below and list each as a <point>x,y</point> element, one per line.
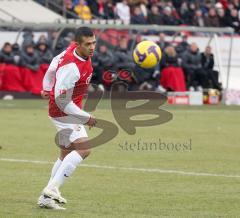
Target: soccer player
<point>65,83</point>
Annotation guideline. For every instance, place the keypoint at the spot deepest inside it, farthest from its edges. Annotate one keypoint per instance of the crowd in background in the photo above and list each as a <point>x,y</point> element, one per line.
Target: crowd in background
<point>203,13</point>
<point>29,54</point>
<point>183,66</point>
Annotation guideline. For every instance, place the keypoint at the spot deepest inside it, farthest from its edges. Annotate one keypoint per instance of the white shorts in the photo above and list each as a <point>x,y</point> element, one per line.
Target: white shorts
<point>67,132</point>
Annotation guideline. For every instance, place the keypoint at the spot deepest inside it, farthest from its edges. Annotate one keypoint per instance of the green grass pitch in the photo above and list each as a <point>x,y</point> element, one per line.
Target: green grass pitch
<point>202,180</point>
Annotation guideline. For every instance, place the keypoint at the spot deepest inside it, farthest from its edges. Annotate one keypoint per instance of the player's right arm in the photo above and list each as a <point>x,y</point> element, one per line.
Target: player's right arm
<point>49,77</point>
<point>66,78</point>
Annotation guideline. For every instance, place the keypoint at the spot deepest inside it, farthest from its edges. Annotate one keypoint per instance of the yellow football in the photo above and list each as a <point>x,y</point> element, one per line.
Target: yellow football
<point>147,54</point>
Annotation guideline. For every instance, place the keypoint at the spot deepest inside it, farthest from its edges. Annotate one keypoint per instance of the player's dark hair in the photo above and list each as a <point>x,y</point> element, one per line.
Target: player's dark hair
<point>83,32</point>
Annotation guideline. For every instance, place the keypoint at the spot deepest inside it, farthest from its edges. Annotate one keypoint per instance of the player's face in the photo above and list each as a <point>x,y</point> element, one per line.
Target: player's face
<point>87,46</point>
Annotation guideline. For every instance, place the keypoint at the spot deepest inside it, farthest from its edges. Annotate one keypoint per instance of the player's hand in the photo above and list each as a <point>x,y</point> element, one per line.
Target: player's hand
<point>45,94</point>
<point>91,122</point>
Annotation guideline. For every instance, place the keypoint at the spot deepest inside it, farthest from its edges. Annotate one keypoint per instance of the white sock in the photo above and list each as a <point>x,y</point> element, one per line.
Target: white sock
<point>56,165</point>
<point>69,164</point>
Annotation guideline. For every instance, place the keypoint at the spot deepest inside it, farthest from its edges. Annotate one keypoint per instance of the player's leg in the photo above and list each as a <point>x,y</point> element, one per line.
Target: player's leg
<point>46,202</point>
<point>68,166</point>
<point>59,126</point>
<point>71,155</point>
<point>80,149</point>
<point>55,167</point>
<point>63,154</point>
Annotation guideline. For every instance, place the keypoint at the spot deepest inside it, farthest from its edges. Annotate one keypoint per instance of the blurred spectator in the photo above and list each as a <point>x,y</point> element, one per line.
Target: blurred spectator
<point>109,10</point>
<point>102,8</point>
<point>177,3</point>
<point>198,19</point>
<point>184,12</point>
<point>123,55</point>
<point>105,57</point>
<point>28,38</point>
<point>83,11</point>
<point>97,7</point>
<point>170,57</point>
<point>173,9</point>
<point>122,11</point>
<point>212,18</point>
<point>218,6</point>
<point>134,40</point>
<point>236,4</point>
<point>233,20</point>
<point>224,3</point>
<point>207,58</point>
<point>93,5</point>
<point>183,45</point>
<point>168,18</point>
<point>222,18</point>
<point>137,16</point>
<point>196,76</point>
<point>158,3</point>
<point>104,61</point>
<point>187,12</point>
<point>229,9</point>
<point>6,55</point>
<point>74,2</point>
<point>16,53</point>
<point>42,38</point>
<point>68,39</point>
<point>208,64</point>
<point>162,42</point>
<point>44,53</point>
<point>172,76</point>
<point>154,16</point>
<point>206,7</point>
<point>59,47</point>
<point>55,42</point>
<point>69,5</point>
<point>143,7</point>
<point>51,37</point>
<point>29,58</point>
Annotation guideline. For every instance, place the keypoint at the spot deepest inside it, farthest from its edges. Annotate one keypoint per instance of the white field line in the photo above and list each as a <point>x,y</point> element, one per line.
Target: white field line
<point>148,170</point>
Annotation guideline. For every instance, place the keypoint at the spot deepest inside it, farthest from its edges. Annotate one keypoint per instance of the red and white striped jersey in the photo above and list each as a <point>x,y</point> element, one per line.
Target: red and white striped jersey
<point>67,79</point>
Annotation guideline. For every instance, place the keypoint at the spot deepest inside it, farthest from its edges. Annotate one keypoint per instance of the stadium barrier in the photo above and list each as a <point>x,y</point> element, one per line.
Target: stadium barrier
<point>21,79</point>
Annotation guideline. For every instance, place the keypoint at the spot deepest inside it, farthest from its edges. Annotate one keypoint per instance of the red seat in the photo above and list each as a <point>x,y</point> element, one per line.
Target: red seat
<point>38,78</point>
<point>27,78</point>
<point>11,79</point>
